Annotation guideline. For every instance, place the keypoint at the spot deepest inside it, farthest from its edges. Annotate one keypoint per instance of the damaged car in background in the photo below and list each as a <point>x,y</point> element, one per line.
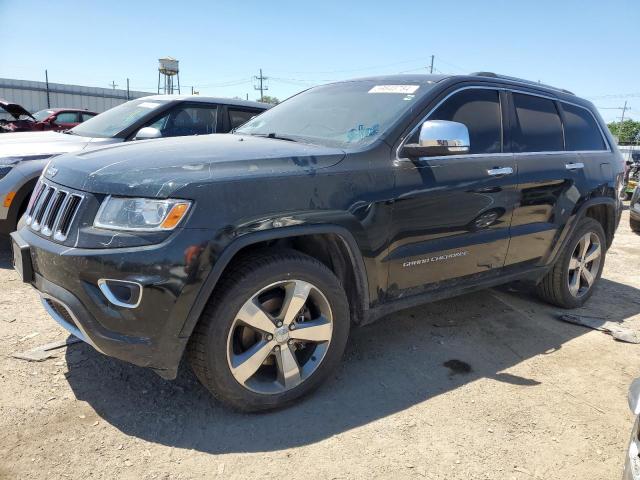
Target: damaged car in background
<point>49,119</point>
<point>252,254</point>
<point>24,155</point>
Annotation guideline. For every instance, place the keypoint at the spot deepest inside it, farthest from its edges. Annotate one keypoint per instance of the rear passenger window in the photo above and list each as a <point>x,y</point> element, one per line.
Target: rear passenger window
<point>238,117</point>
<point>580,129</point>
<point>479,110</point>
<point>538,127</point>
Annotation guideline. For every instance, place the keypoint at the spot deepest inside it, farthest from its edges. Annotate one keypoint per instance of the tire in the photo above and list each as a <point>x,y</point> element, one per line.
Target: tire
<point>221,338</point>
<point>554,287</point>
<point>635,225</point>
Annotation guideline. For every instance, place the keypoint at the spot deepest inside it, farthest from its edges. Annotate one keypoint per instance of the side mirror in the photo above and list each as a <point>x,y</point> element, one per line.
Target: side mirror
<point>147,133</point>
<point>439,137</point>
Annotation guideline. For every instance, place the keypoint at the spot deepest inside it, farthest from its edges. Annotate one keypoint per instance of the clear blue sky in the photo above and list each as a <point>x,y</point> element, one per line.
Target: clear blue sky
<point>590,47</point>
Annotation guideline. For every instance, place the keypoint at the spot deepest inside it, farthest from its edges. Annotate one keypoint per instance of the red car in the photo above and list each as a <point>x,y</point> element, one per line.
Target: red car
<point>49,119</point>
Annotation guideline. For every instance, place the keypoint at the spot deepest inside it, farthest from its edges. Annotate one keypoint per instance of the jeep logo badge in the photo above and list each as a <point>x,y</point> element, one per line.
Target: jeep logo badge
<point>51,171</point>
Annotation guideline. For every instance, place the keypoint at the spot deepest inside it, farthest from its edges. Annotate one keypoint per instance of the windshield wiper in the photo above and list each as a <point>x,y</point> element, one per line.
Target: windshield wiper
<point>273,135</point>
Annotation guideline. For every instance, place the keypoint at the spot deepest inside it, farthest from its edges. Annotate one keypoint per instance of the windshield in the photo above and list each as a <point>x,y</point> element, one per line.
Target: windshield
<point>42,114</point>
<point>341,114</point>
<point>114,121</point>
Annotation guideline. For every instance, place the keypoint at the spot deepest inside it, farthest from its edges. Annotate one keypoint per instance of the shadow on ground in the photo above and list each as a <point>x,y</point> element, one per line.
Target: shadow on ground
<point>389,366</point>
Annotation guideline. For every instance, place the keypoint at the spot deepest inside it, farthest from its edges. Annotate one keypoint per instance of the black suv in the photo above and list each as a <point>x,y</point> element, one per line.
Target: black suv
<point>253,253</point>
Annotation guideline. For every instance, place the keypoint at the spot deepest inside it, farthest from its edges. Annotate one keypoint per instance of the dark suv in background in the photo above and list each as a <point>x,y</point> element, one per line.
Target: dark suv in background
<point>255,252</point>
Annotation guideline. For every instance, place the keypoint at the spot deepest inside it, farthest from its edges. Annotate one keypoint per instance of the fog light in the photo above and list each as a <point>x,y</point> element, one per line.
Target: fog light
<point>121,293</point>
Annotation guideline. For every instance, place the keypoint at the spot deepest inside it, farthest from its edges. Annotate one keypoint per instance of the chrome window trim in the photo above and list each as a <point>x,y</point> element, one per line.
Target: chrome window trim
<point>511,90</point>
<point>604,138</point>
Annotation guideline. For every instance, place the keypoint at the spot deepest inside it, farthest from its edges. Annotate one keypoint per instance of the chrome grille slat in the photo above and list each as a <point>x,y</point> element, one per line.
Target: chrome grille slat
<point>42,207</point>
<point>53,210</point>
<point>37,192</point>
<point>67,216</point>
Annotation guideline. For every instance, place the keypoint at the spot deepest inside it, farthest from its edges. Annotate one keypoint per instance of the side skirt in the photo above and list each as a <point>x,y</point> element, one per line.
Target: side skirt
<point>459,288</point>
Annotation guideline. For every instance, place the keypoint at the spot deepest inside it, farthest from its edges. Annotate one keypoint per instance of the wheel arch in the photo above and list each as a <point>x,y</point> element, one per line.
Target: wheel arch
<point>602,209</point>
<point>341,255</point>
<point>22,197</point>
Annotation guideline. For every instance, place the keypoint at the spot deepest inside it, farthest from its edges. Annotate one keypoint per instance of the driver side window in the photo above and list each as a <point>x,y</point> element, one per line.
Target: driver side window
<point>479,111</point>
<point>187,120</point>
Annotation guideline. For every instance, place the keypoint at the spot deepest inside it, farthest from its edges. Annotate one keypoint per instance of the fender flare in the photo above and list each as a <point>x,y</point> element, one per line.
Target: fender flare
<point>21,195</point>
<point>580,213</point>
<point>246,240</point>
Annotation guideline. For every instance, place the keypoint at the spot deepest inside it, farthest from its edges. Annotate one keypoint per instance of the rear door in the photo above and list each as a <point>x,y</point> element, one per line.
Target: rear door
<point>452,213</point>
<point>550,178</point>
<point>237,116</point>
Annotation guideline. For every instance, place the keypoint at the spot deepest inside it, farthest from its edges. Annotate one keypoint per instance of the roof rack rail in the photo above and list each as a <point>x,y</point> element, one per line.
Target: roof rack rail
<point>519,80</point>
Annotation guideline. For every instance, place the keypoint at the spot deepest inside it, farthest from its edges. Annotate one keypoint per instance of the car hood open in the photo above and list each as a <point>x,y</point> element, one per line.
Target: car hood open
<point>14,109</point>
<point>160,168</point>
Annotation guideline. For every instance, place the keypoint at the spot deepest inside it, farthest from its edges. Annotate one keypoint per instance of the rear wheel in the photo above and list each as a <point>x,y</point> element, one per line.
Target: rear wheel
<point>272,332</point>
<point>572,279</point>
<point>634,224</point>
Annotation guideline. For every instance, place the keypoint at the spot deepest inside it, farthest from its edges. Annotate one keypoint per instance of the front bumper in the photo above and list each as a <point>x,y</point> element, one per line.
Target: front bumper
<point>148,335</point>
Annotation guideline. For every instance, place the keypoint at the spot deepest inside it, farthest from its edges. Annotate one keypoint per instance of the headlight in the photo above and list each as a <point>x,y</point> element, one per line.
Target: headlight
<point>141,214</point>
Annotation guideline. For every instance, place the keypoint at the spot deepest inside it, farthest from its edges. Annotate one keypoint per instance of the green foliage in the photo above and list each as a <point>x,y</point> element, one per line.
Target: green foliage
<point>270,99</point>
<point>626,132</point>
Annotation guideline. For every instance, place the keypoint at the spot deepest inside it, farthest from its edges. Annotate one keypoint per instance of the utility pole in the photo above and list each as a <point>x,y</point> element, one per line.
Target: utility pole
<point>431,67</point>
<point>624,109</point>
<point>46,79</point>
<point>128,96</point>
<point>262,87</point>
<point>113,84</point>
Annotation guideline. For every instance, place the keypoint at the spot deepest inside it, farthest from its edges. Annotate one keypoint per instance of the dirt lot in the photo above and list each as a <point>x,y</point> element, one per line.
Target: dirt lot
<point>542,399</point>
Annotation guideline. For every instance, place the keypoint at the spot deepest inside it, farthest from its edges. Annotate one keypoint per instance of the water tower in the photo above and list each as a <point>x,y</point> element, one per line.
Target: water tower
<point>167,69</point>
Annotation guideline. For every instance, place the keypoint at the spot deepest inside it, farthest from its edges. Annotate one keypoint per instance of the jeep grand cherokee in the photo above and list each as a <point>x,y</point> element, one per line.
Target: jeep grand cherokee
<point>253,253</point>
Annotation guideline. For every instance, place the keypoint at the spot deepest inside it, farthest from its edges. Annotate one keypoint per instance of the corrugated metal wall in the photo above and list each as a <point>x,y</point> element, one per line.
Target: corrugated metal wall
<point>33,95</point>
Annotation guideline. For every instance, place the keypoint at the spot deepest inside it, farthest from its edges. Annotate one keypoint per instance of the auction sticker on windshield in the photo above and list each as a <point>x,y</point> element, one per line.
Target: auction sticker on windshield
<point>394,89</point>
<point>148,105</point>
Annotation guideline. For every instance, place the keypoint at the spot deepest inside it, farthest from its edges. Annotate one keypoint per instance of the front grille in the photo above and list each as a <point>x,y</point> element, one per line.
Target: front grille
<point>51,210</point>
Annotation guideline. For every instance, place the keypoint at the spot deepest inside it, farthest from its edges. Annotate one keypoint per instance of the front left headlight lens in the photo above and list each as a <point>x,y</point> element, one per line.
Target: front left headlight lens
<point>141,214</point>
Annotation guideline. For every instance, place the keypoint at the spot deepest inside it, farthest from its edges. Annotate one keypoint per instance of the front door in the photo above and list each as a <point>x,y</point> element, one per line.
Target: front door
<point>452,214</point>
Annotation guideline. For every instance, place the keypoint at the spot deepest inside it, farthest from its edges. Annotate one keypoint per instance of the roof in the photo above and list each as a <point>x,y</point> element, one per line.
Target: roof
<point>199,98</point>
<point>484,76</point>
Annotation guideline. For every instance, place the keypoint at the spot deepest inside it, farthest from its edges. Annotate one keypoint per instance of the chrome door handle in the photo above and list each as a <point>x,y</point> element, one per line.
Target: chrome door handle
<point>500,171</point>
<point>574,166</point>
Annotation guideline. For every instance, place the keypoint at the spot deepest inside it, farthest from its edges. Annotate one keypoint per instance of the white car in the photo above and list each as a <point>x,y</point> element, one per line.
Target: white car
<point>23,155</point>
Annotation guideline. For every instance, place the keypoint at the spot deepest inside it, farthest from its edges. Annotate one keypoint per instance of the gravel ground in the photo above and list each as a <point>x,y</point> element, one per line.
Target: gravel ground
<point>485,386</point>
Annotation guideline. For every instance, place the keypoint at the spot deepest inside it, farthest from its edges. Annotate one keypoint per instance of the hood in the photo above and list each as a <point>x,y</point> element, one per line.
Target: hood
<point>159,168</point>
<point>14,109</point>
<point>27,144</point>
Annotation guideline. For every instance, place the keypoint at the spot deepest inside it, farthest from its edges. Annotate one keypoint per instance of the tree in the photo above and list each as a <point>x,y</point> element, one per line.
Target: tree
<point>627,131</point>
<point>269,99</point>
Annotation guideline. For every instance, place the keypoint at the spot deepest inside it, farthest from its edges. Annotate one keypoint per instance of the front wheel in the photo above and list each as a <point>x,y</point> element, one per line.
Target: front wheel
<point>571,281</point>
<point>273,331</point>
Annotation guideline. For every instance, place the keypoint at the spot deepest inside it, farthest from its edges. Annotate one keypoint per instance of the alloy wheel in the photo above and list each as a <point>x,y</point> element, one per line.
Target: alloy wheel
<point>584,264</point>
<point>279,337</point>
